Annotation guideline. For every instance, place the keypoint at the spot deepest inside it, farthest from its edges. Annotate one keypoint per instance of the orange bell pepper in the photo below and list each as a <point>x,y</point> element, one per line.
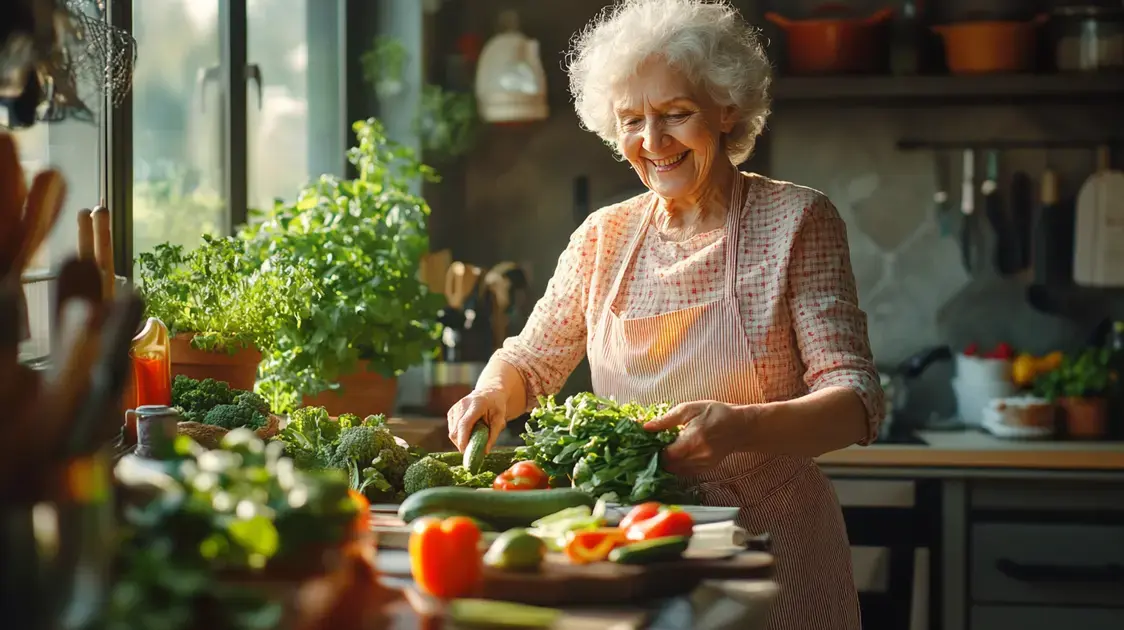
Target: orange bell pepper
<point>522,476</point>
<point>362,523</point>
<point>666,521</point>
<point>593,545</point>
<point>445,558</point>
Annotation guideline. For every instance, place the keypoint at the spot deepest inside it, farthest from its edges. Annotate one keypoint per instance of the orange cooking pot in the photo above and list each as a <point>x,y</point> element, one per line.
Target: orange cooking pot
<point>834,45</point>
<point>991,46</point>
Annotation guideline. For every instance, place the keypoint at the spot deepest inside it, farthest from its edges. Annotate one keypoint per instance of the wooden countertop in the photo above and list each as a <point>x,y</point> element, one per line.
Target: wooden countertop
<point>974,449</point>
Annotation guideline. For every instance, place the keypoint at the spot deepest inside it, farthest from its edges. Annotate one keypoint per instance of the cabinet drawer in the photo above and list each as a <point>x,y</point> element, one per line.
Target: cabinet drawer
<point>1044,618</point>
<point>1048,564</point>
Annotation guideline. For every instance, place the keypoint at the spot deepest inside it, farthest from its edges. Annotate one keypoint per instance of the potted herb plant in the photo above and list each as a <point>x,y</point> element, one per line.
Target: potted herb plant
<point>1079,386</point>
<point>362,240</point>
<point>222,309</point>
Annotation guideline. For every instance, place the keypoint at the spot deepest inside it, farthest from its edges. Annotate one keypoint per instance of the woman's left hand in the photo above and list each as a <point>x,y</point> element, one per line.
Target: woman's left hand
<point>711,431</point>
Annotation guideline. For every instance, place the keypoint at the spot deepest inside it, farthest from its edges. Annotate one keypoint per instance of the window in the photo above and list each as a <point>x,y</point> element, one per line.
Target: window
<point>235,103</point>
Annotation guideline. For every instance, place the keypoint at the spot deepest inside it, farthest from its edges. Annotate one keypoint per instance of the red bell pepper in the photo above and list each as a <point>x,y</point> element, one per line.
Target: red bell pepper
<point>522,476</point>
<point>593,545</point>
<point>642,524</point>
<point>445,558</point>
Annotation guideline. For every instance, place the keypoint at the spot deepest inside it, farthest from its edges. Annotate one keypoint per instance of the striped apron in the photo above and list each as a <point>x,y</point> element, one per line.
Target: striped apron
<point>703,353</point>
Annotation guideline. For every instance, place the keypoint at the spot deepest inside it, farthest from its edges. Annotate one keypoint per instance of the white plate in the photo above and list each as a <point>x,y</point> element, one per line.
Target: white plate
<point>700,513</point>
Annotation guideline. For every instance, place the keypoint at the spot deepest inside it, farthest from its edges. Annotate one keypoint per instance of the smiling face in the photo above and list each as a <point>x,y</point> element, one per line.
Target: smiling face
<point>671,132</point>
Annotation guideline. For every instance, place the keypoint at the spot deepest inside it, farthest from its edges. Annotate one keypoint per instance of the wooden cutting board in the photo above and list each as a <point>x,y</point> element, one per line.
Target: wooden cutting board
<point>560,583</point>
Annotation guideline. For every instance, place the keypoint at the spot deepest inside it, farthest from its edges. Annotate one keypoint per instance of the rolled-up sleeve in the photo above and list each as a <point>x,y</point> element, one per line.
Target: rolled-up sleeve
<point>552,342</point>
<point>830,327</point>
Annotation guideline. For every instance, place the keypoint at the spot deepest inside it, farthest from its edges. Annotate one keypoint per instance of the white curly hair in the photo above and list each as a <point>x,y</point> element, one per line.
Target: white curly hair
<point>701,38</point>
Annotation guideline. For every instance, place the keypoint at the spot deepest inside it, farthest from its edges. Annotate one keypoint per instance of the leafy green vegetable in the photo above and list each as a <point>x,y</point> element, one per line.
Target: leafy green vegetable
<point>1083,375</point>
<point>228,300</point>
<point>603,448</point>
<point>362,240</point>
<point>465,479</point>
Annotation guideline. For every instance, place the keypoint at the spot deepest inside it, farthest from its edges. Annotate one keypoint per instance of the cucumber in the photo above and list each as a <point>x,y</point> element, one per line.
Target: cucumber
<point>656,550</point>
<point>481,525</point>
<point>496,461</point>
<point>477,448</point>
<point>502,509</point>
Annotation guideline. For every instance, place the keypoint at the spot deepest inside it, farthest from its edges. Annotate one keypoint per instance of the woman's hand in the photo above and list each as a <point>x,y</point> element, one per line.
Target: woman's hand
<point>711,431</point>
<point>484,406</point>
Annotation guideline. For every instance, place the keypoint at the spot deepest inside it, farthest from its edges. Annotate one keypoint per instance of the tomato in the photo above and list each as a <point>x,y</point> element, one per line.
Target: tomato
<point>1003,351</point>
<point>669,521</point>
<point>641,512</point>
<point>593,545</point>
<point>524,475</point>
<point>972,350</point>
<point>444,556</point>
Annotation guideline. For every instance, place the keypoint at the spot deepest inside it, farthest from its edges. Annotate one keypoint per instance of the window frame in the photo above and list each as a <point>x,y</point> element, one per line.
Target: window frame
<point>117,176</point>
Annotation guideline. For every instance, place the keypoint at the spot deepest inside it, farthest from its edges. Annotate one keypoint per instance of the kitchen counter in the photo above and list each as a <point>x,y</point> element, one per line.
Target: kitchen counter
<point>974,449</point>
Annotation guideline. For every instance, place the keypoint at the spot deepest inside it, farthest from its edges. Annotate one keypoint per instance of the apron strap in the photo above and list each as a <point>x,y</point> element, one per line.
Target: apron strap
<point>630,253</point>
<point>733,229</point>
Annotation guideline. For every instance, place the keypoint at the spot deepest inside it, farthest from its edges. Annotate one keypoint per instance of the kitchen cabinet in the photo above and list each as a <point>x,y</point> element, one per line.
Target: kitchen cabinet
<point>1022,535</point>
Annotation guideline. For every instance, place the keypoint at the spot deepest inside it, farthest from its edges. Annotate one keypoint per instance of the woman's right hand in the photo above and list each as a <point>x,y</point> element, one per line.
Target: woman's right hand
<point>489,407</point>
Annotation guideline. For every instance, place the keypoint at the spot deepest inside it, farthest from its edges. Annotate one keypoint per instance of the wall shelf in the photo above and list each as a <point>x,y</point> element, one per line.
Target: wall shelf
<point>941,90</point>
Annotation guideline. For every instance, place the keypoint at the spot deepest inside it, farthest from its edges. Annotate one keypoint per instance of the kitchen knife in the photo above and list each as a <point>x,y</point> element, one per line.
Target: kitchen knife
<point>993,209</point>
<point>941,196</point>
<point>1021,206</point>
<point>967,210</point>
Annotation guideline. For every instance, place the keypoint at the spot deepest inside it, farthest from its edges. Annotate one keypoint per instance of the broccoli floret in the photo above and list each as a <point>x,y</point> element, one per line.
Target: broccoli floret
<point>253,401</point>
<point>234,416</point>
<point>375,446</point>
<point>197,401</point>
<point>427,473</point>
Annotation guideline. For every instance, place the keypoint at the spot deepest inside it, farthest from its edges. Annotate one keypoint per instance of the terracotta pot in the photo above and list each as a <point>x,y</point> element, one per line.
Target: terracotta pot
<point>239,370</point>
<point>362,393</point>
<point>827,44</point>
<point>990,46</point>
<point>1085,418</point>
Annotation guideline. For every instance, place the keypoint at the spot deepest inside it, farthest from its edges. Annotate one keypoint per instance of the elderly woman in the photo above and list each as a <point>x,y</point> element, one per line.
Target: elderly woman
<point>728,293</point>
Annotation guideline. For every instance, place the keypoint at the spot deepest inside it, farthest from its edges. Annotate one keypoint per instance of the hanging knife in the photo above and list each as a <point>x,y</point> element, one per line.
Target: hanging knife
<point>967,209</point>
<point>993,209</point>
<point>941,196</point>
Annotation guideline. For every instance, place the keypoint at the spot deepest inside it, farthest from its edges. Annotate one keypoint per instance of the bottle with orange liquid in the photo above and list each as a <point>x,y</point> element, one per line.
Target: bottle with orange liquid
<point>152,371</point>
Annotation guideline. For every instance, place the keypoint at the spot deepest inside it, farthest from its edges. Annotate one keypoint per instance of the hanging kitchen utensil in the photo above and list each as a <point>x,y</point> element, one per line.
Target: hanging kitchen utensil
<point>1099,247</point>
<point>1053,236</point>
<point>941,210</point>
<point>994,211</point>
<point>85,234</point>
<point>510,80</point>
<point>834,41</point>
<point>969,231</point>
<point>1021,215</point>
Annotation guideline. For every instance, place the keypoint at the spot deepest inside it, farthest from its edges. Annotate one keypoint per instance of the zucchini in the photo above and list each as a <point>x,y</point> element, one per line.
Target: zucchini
<point>502,509</point>
<point>477,448</point>
<point>662,549</point>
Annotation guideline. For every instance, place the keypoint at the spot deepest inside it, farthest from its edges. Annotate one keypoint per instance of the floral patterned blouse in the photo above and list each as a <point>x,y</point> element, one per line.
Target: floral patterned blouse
<point>794,282</point>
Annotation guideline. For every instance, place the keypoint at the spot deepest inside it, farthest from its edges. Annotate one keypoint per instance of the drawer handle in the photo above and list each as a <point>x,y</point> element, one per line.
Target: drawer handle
<point>1102,573</point>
